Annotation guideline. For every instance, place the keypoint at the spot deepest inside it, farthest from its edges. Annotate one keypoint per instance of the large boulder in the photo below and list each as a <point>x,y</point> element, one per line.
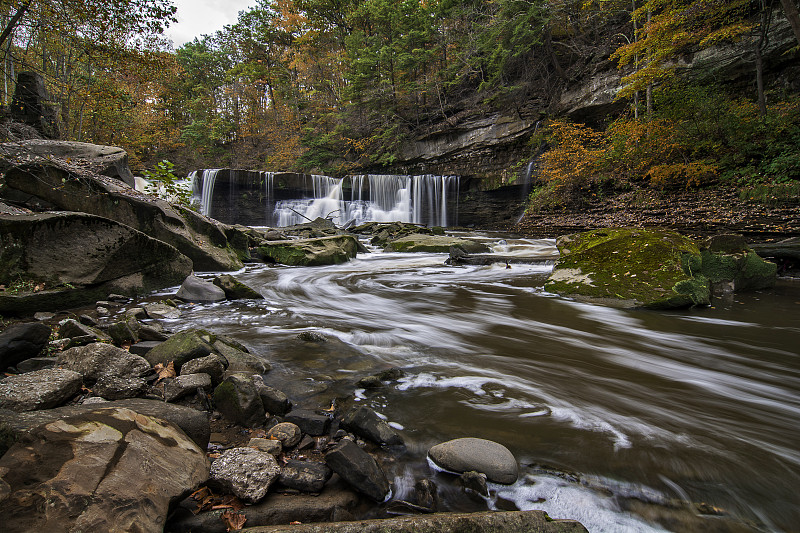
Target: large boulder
<point>84,255</point>
<point>41,389</point>
<point>435,244</point>
<point>110,161</point>
<point>191,421</point>
<point>107,470</point>
<point>310,252</point>
<point>22,341</point>
<point>201,239</point>
<point>246,472</point>
<point>479,455</point>
<point>653,268</point>
<point>239,401</point>
<point>359,469</point>
<point>98,360</point>
<point>181,348</point>
<point>194,289</point>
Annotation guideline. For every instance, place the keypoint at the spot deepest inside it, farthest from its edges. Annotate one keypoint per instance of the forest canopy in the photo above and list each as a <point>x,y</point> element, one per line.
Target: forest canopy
<point>336,86</point>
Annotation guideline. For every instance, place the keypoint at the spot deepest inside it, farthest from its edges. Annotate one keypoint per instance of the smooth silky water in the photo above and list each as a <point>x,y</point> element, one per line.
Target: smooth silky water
<point>617,417</point>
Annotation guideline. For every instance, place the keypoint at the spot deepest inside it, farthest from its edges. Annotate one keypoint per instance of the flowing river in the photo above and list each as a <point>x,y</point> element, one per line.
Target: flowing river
<point>626,420</point>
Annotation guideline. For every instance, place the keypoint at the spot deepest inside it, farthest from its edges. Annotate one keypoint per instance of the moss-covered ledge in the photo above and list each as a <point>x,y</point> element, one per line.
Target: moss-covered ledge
<point>653,268</point>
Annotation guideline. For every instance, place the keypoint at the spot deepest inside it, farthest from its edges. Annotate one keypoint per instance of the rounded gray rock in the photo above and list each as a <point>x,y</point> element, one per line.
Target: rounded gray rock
<point>246,472</point>
<point>481,455</point>
<point>286,432</point>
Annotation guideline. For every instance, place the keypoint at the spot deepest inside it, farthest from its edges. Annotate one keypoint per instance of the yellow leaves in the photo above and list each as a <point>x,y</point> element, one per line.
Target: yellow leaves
<point>165,372</point>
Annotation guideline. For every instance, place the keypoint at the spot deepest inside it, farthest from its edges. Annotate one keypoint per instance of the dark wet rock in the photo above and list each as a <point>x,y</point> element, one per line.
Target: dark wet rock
<point>310,252</point>
<point>334,503</point>
<point>786,250</point>
<point>136,312</point>
<point>214,365</point>
<point>434,244</point>
<point>275,402</point>
<point>246,472</point>
<point>82,257</point>
<point>427,494</point>
<point>185,385</point>
<point>118,388</point>
<point>141,348</point>
<point>194,423</point>
<point>238,400</point>
<point>287,433</point>
<point>480,455</point>
<point>182,347</point>
<point>485,522</point>
<point>271,446</point>
<point>70,328</point>
<point>359,469</point>
<point>22,341</point>
<point>122,473</point>
<point>474,481</point>
<point>87,320</point>
<point>36,363</point>
<point>309,421</point>
<point>99,360</point>
<point>235,289</point>
<point>161,310</point>
<point>366,423</point>
<point>241,360</point>
<point>150,332</point>
<point>194,289</point>
<point>311,336</point>
<point>370,382</point>
<point>306,442</point>
<point>125,331</point>
<point>41,389</point>
<point>305,476</point>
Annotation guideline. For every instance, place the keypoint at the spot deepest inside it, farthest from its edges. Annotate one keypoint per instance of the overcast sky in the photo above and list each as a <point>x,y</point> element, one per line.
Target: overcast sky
<point>202,17</point>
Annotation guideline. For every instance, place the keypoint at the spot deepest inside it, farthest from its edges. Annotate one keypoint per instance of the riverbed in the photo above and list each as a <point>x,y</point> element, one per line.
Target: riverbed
<point>626,420</point>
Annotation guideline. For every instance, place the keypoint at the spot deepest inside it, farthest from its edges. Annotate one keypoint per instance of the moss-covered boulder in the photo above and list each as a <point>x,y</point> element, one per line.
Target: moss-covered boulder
<point>182,347</point>
<point>235,289</point>
<point>629,267</point>
<point>653,268</point>
<point>310,252</point>
<point>384,232</point>
<point>418,242</point>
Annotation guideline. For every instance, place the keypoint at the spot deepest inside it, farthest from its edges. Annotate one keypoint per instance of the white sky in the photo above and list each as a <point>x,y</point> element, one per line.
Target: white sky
<point>203,17</point>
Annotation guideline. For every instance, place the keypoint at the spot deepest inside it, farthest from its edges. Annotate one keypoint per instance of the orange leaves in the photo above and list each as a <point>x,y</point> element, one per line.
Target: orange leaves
<point>165,372</point>
<point>207,501</point>
<point>233,521</point>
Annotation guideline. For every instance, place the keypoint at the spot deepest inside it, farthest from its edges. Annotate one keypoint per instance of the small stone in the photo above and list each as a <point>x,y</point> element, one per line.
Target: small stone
<point>184,385</point>
<point>161,311</point>
<point>366,423</point>
<point>103,312</point>
<point>427,494</point>
<point>312,336</point>
<point>309,421</point>
<point>141,348</point>
<point>94,400</point>
<point>287,433</point>
<point>41,316</point>
<point>136,312</point>
<point>474,481</point>
<point>370,382</point>
<point>306,476</point>
<point>214,365</point>
<point>305,443</point>
<point>117,298</point>
<point>270,446</point>
<point>86,320</point>
<point>275,402</point>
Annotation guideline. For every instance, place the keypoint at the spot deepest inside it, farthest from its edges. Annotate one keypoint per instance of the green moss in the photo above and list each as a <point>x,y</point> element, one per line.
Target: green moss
<point>719,267</point>
<point>755,273</point>
<point>640,267</point>
<point>311,252</point>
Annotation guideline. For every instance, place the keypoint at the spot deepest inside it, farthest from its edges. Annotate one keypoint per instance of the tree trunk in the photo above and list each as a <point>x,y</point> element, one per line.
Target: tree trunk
<point>791,12</point>
<point>12,23</point>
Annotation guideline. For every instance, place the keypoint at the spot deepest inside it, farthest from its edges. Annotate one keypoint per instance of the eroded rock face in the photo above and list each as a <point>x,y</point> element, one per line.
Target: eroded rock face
<point>76,249</point>
<point>41,389</point>
<point>246,472</point>
<point>107,470</point>
<point>479,455</point>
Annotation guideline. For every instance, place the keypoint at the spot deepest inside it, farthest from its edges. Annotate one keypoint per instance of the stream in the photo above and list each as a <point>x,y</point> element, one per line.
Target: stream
<point>626,420</point>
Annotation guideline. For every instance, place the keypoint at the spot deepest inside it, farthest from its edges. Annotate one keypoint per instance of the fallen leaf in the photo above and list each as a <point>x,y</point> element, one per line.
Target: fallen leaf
<point>233,521</point>
<point>165,371</point>
<point>295,523</point>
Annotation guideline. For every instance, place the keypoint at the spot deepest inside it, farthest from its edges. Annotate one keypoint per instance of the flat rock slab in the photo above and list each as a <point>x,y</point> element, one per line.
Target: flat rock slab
<point>107,470</point>
<point>41,389</point>
<point>488,522</point>
<point>481,455</point>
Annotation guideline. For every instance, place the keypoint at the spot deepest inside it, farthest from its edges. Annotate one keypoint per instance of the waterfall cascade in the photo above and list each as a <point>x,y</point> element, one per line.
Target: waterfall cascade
<point>287,199</point>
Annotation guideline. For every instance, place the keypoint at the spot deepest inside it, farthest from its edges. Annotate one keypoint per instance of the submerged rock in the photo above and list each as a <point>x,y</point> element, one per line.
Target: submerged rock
<point>310,252</point>
<point>366,423</point>
<point>479,455</point>
<point>106,470</point>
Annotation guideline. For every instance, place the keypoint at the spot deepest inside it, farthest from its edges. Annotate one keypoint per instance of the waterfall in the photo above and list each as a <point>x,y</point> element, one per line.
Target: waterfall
<point>423,199</point>
<point>203,195</point>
